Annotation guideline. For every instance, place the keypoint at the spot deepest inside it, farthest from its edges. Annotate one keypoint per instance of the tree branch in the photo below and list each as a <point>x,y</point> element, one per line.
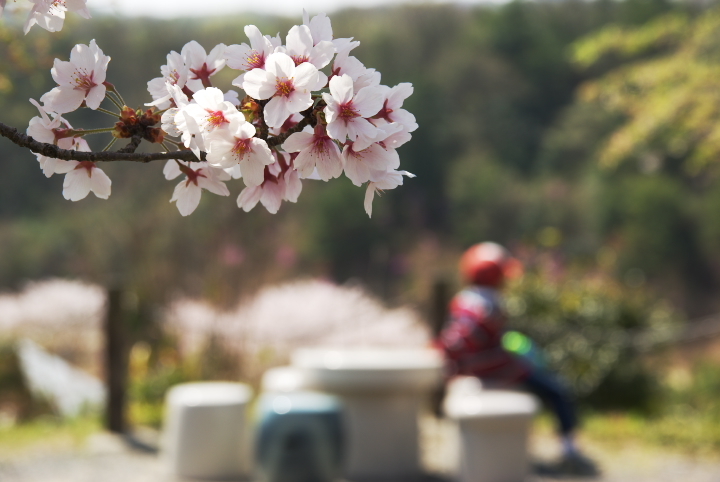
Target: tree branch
<point>277,140</point>
<point>53,151</point>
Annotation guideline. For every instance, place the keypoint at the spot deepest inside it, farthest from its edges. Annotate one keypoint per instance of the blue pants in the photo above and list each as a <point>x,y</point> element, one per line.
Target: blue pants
<point>556,396</point>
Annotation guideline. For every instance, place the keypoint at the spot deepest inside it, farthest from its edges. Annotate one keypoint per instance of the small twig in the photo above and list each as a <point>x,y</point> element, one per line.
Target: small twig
<point>133,145</point>
<point>277,140</point>
<point>262,126</point>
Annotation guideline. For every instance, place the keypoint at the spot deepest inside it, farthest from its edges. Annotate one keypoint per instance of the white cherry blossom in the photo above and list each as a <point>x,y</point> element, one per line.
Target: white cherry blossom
<point>288,87</point>
<point>237,146</point>
<point>300,47</point>
<point>383,180</point>
<point>210,111</point>
<point>282,183</point>
<point>316,151</point>
<point>359,165</point>
<point>175,72</point>
<point>248,57</point>
<point>198,176</point>
<point>345,64</point>
<point>176,123</point>
<point>80,79</point>
<point>201,65</point>
<point>83,177</point>
<point>319,26</point>
<point>43,128</point>
<point>392,110</point>
<point>50,14</point>
<point>346,113</point>
<point>47,130</point>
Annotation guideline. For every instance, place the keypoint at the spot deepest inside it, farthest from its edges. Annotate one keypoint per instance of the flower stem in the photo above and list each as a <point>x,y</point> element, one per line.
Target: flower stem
<point>117,104</point>
<point>109,112</point>
<point>83,132</point>
<point>110,144</point>
<point>122,101</point>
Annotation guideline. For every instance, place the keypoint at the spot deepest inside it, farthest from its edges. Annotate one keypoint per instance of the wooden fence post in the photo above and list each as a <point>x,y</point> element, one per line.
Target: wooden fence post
<point>115,363</point>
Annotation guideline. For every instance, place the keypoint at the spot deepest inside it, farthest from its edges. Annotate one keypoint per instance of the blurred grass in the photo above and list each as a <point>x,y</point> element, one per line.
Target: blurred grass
<point>47,434</point>
<point>697,434</point>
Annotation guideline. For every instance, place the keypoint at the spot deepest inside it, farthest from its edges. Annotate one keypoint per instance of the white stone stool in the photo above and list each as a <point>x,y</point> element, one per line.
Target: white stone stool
<point>206,433</point>
<point>494,429</point>
<point>382,391</point>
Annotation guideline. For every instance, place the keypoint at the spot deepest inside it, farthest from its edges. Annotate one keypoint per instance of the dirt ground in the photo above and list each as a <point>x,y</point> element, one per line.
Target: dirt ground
<point>108,458</point>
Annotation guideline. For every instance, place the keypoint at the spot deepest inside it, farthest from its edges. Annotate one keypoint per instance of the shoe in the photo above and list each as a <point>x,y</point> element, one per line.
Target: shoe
<point>577,464</point>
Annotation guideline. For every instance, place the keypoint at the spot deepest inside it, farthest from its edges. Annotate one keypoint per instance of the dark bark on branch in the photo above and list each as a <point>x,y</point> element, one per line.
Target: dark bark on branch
<point>134,143</point>
<point>276,141</point>
<point>51,150</point>
<point>128,153</point>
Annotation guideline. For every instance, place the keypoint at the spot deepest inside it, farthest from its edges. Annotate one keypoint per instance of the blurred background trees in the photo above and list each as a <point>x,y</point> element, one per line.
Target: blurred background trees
<point>579,133</point>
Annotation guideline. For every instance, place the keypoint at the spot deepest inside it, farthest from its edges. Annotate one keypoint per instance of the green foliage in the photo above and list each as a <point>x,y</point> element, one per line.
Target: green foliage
<point>667,92</point>
<point>591,330</point>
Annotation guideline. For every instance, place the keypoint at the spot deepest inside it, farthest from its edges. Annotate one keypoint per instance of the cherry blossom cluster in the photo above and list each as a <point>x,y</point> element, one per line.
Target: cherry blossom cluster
<point>50,14</point>
<point>307,109</point>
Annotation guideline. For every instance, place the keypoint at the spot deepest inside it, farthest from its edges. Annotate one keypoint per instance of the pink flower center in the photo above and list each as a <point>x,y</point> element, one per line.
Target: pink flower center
<point>299,59</point>
<point>384,113</point>
<point>57,7</point>
<point>203,74</point>
<point>192,175</point>
<point>256,60</point>
<point>284,87</point>
<point>216,118</point>
<point>347,111</point>
<point>241,147</point>
<point>321,145</point>
<point>87,165</point>
<point>83,80</point>
<point>174,77</point>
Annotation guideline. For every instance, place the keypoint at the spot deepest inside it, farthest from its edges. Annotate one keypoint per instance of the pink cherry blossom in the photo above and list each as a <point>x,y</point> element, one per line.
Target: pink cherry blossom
<point>392,110</point>
<point>281,183</point>
<point>201,65</point>
<point>83,177</point>
<point>316,151</point>
<point>80,79</point>
<point>43,128</point>
<point>288,87</point>
<point>50,14</point>
<point>359,165</point>
<point>346,114</point>
<point>51,131</point>
<point>319,26</point>
<point>346,64</point>
<point>199,176</point>
<point>210,110</point>
<point>175,72</point>
<point>383,180</point>
<point>300,47</point>
<point>248,57</point>
<point>237,146</point>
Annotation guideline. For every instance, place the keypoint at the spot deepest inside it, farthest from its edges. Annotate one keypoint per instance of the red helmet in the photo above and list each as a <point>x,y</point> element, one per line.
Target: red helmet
<point>488,264</point>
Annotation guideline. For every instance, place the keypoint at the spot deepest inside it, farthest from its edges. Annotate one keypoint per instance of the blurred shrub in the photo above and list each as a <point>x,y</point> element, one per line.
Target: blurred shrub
<point>592,330</point>
<point>16,402</point>
<point>688,419</point>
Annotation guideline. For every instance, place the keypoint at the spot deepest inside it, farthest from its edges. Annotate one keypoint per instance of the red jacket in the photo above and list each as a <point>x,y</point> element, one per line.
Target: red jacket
<point>472,339</point>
